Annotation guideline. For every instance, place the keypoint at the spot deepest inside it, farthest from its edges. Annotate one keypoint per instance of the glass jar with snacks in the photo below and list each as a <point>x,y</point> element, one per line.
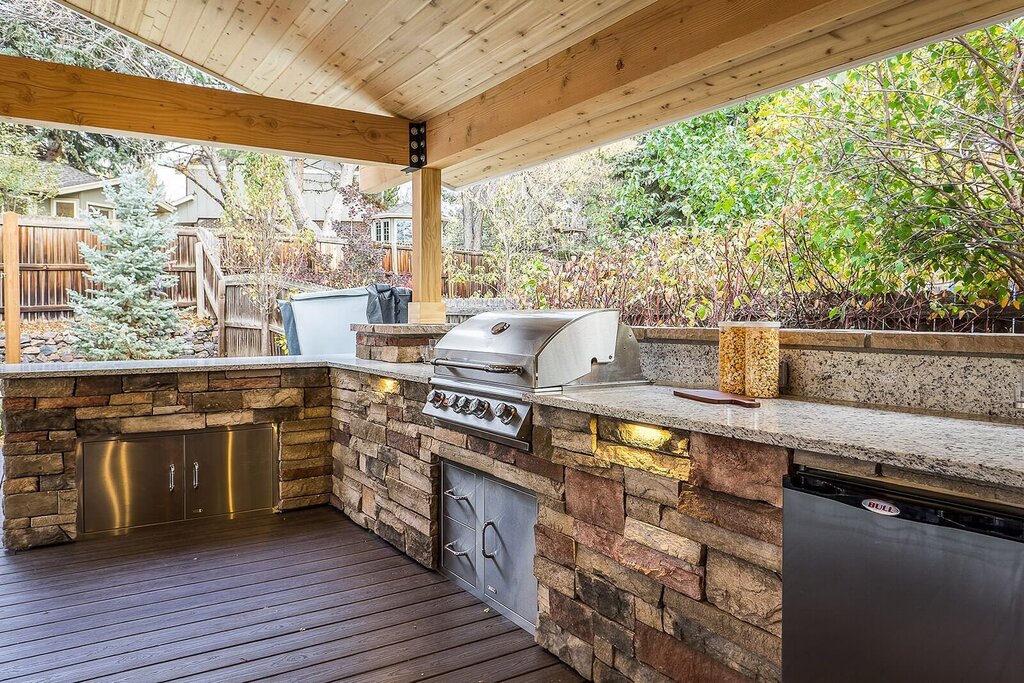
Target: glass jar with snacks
<point>731,357</point>
<point>762,359</point>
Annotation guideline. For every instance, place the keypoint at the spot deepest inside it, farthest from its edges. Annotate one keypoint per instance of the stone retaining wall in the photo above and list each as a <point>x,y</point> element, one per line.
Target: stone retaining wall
<point>44,419</point>
<point>944,372</point>
<point>50,342</point>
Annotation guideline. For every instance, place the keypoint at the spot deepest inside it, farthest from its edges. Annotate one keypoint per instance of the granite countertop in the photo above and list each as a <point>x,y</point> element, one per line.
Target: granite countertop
<point>961,448</point>
<point>416,372</point>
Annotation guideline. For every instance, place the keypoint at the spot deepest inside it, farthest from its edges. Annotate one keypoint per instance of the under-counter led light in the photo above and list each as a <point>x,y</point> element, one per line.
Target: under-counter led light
<point>385,385</point>
<point>644,436</point>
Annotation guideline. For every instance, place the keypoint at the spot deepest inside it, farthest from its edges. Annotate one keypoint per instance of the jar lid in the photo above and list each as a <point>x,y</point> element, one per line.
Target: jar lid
<point>750,323</point>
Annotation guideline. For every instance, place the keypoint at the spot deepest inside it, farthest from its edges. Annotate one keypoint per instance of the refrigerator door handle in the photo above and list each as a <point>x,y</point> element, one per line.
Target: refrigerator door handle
<point>483,539</point>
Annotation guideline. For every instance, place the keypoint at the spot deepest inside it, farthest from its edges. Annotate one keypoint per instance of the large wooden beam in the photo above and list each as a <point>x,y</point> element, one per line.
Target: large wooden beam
<point>43,93</point>
<point>426,306</point>
<point>673,60</point>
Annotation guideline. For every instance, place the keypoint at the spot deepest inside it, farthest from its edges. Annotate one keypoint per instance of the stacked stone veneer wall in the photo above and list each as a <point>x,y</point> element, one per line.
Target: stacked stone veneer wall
<point>385,465</point>
<point>44,420</point>
<point>658,551</point>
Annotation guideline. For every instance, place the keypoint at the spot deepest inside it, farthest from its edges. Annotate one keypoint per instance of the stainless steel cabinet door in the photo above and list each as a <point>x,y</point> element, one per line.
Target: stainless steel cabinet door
<point>507,546</point>
<point>132,482</point>
<point>229,471</point>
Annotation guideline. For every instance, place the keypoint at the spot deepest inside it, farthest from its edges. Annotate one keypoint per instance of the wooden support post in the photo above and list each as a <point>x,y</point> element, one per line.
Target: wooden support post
<point>426,306</point>
<point>12,288</point>
<point>200,280</point>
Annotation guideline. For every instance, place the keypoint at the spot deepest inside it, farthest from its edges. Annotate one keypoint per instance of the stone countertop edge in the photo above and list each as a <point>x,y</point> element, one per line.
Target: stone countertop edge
<point>973,450</point>
<point>414,372</point>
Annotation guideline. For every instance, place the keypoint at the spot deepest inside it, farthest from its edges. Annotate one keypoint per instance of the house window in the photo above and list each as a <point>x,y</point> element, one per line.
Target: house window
<point>101,210</point>
<point>403,230</point>
<point>382,231</point>
<point>65,208</point>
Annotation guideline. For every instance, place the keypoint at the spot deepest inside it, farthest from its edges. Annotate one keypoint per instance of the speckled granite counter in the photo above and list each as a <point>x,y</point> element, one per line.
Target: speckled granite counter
<point>959,448</point>
<point>415,372</point>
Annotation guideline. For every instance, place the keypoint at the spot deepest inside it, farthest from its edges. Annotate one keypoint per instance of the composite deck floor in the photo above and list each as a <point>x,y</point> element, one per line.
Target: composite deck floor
<point>304,596</point>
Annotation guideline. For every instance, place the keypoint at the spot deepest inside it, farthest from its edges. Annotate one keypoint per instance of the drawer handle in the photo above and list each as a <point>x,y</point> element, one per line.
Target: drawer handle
<point>457,553</point>
<point>195,475</point>
<point>483,539</point>
<point>454,496</point>
<point>170,483</point>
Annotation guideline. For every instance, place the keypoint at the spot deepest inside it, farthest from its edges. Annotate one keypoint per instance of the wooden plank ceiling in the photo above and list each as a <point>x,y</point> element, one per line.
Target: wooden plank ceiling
<point>408,58</point>
<point>506,84</point>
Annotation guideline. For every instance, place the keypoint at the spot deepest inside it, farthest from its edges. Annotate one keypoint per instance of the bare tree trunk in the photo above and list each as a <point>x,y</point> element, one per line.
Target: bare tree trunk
<point>293,194</point>
<point>339,210</point>
<point>472,220</point>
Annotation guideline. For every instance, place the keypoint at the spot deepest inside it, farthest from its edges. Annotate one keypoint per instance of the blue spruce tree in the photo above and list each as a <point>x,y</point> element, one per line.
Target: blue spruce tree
<point>126,314</point>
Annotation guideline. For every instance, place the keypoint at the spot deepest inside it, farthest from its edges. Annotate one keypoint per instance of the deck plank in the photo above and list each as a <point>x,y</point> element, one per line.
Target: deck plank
<point>306,596</point>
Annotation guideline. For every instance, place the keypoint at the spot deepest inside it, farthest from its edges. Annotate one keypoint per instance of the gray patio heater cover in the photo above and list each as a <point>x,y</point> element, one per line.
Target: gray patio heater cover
<point>387,304</point>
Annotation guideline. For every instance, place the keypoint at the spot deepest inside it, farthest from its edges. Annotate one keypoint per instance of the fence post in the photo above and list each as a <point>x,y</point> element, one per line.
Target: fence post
<point>12,288</point>
<point>200,280</point>
<point>222,298</point>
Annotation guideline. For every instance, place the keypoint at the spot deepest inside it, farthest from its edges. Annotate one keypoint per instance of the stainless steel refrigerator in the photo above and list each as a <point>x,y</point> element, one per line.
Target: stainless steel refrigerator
<point>889,584</point>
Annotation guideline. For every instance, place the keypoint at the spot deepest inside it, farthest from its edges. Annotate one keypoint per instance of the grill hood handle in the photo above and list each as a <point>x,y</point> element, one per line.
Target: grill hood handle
<point>486,367</point>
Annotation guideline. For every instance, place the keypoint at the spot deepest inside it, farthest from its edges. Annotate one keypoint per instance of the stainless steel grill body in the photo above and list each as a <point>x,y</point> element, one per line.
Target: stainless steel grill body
<point>484,368</point>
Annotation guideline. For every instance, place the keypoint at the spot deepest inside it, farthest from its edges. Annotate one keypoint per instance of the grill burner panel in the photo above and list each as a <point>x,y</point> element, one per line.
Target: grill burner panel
<point>490,412</point>
<point>485,367</point>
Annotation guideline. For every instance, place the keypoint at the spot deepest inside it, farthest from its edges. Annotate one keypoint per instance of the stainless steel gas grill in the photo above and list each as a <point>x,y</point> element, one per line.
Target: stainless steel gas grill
<point>484,367</point>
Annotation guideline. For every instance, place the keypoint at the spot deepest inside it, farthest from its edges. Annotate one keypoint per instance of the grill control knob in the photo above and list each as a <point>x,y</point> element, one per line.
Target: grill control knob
<point>479,407</point>
<point>505,412</point>
<point>437,398</point>
<point>463,404</point>
<point>453,401</point>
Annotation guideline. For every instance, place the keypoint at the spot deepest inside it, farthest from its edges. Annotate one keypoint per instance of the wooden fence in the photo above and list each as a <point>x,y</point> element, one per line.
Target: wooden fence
<point>242,330</point>
<point>451,287</point>
<point>50,264</point>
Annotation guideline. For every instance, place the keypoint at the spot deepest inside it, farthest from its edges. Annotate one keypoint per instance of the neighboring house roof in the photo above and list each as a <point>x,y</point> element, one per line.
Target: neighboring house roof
<point>71,179</point>
<point>403,210</point>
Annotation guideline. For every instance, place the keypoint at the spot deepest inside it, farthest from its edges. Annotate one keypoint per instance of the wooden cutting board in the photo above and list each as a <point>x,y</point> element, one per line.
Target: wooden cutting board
<point>717,397</point>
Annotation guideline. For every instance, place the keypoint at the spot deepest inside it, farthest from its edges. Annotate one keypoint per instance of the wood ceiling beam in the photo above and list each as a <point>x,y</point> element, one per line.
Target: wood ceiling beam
<point>674,60</point>
<point>44,93</point>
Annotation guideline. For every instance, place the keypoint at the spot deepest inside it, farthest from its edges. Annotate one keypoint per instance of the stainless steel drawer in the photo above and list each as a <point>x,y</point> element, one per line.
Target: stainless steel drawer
<point>459,494</point>
<point>458,550</point>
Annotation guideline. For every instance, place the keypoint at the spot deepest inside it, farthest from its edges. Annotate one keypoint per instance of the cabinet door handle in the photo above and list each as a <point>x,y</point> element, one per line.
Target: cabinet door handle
<point>483,539</point>
<point>454,496</point>
<point>170,482</point>
<point>450,547</point>
<point>195,475</point>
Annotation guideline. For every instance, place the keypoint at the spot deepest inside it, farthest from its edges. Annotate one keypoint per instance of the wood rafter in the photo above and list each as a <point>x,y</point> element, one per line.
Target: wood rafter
<point>674,60</point>
<point>99,101</point>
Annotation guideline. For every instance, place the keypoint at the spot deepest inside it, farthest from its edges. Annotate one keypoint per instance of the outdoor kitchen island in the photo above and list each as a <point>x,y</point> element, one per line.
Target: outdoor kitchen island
<point>659,527</point>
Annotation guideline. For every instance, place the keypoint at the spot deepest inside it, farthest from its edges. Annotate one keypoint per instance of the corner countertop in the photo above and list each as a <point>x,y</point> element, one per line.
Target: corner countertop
<point>414,372</point>
<point>973,450</point>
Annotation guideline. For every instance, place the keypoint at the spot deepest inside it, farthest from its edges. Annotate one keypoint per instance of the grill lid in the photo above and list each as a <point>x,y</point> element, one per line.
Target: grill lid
<point>529,348</point>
